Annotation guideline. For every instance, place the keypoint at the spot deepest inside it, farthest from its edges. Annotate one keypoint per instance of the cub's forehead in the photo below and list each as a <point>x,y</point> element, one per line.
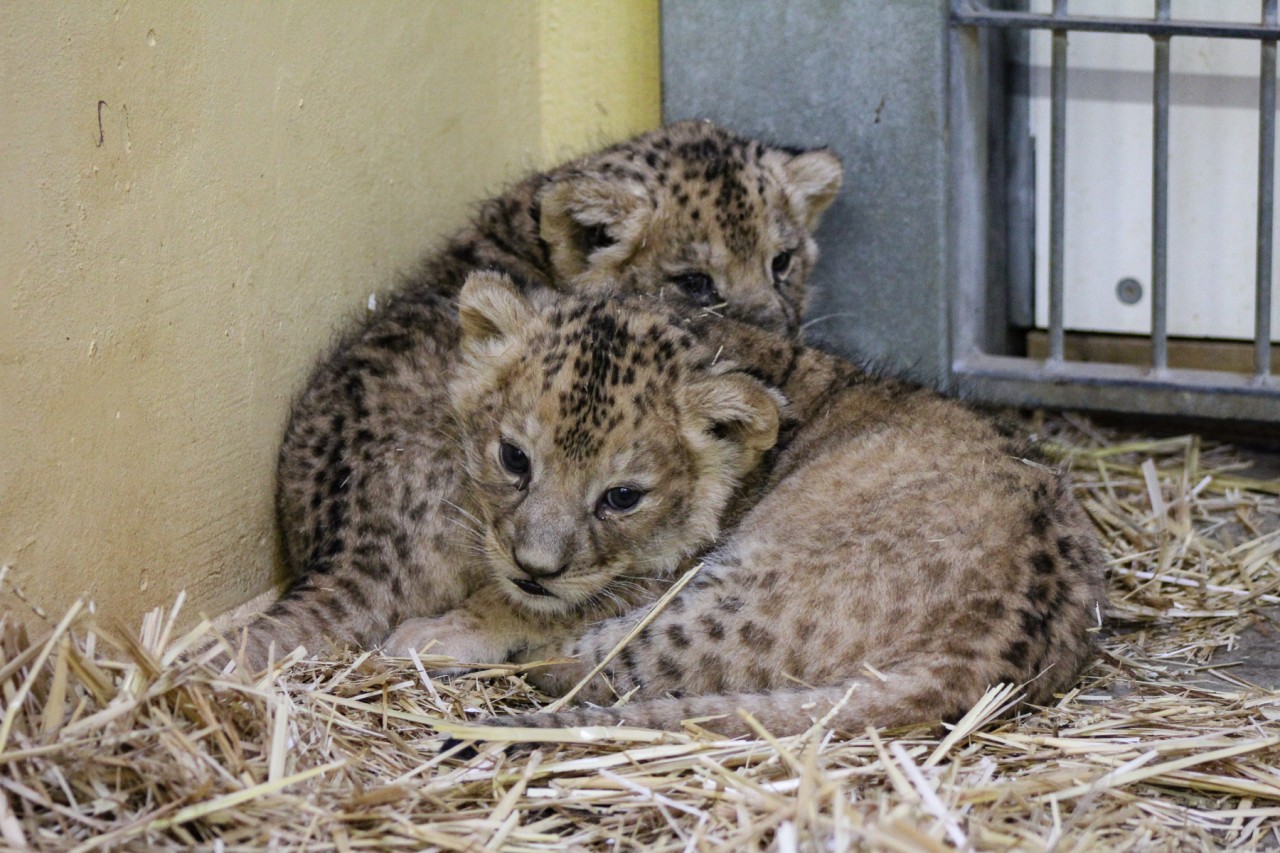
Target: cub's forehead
<point>715,184</point>
<point>681,160</point>
<point>687,143</point>
<point>607,372</point>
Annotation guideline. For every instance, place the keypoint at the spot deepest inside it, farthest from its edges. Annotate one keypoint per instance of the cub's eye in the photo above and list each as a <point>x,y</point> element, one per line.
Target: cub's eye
<point>513,458</point>
<point>597,237</point>
<point>699,287</point>
<point>782,263</point>
<point>620,499</point>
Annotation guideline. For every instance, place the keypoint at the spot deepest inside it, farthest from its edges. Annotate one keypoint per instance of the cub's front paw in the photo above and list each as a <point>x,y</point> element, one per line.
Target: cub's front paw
<point>450,635</point>
<point>554,679</point>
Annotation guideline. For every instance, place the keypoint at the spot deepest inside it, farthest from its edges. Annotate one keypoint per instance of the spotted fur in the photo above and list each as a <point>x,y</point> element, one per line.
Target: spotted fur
<point>369,467</point>
<point>893,555</point>
<point>556,408</point>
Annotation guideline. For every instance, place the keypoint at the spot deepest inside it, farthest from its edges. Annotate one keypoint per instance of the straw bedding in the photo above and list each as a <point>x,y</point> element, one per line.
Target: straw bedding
<point>115,739</point>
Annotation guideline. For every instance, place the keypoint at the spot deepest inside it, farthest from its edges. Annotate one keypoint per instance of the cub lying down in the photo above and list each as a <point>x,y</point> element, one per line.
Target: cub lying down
<point>871,534</point>
<point>367,476</point>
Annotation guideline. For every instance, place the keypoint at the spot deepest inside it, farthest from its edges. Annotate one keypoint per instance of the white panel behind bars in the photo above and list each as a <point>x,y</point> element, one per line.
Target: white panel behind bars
<point>1213,169</point>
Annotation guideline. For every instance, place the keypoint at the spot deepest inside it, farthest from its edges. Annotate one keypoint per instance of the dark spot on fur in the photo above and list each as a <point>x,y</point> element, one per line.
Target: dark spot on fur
<point>755,637</point>
<point>1034,625</point>
<point>760,677</point>
<point>1039,591</point>
<point>1016,654</point>
<point>706,578</point>
<point>1039,522</point>
<point>627,659</point>
<point>729,603</point>
<point>353,592</point>
<point>967,623</point>
<point>372,567</point>
<point>991,609</point>
<point>337,609</point>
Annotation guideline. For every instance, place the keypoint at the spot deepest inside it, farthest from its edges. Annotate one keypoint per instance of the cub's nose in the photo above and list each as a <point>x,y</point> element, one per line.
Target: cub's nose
<point>534,567</point>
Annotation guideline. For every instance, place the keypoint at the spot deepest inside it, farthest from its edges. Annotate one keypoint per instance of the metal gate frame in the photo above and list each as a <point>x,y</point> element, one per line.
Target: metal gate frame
<point>980,218</point>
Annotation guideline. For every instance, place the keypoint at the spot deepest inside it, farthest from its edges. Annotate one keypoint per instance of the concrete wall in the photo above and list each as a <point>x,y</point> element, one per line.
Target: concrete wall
<point>193,198</point>
<point>868,78</point>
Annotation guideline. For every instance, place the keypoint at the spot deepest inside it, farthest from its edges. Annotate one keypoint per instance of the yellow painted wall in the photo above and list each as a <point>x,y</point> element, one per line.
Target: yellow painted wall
<point>193,198</point>
<point>600,66</point>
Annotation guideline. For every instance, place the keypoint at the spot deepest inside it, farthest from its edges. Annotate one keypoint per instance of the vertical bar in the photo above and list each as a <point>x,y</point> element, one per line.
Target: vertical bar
<point>1266,187</point>
<point>1160,199</point>
<point>1020,182</point>
<point>1057,183</point>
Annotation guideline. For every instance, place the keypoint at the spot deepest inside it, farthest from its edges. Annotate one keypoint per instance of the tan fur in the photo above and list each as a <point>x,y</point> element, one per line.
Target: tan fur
<point>655,416</point>
<point>369,469</point>
<point>894,546</point>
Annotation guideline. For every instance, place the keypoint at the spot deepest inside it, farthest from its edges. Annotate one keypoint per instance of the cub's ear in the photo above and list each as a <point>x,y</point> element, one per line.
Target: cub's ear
<point>491,311</point>
<point>813,179</point>
<point>583,214</point>
<point>737,407</point>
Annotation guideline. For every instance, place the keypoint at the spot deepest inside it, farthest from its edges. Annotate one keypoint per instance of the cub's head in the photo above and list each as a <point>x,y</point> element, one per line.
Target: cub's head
<point>603,443</point>
<point>693,214</point>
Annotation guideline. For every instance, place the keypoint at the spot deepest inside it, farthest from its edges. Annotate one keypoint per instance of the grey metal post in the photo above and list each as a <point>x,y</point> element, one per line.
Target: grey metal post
<point>1160,199</point>
<point>1266,188</point>
<point>1058,185</point>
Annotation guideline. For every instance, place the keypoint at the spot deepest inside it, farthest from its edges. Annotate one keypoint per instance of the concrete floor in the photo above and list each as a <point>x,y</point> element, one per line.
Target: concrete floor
<point>1258,657</point>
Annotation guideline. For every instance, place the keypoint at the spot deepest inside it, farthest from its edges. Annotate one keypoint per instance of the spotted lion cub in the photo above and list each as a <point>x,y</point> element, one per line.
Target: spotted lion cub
<point>884,555</point>
<point>368,473</point>
<point>602,448</point>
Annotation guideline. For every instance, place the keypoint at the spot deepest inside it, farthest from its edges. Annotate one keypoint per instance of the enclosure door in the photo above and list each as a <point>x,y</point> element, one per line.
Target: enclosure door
<point>1213,169</point>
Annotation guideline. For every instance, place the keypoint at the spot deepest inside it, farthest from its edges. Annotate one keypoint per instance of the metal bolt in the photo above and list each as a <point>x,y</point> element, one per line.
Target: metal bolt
<point>1129,291</point>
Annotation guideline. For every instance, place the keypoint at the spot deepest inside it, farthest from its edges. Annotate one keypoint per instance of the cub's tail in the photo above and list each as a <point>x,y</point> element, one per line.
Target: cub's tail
<point>883,700</point>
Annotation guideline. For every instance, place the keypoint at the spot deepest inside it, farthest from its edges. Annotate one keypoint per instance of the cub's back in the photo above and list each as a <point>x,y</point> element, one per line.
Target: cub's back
<point>916,531</point>
<point>898,555</point>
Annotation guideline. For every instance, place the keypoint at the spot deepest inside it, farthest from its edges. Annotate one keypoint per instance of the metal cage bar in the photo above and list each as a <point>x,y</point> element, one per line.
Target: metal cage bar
<point>1160,199</point>
<point>1266,189</point>
<point>969,14</point>
<point>982,373</point>
<point>1058,188</point>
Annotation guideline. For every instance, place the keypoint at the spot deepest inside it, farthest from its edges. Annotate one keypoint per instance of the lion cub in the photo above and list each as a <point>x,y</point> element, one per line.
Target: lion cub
<point>367,478</point>
<point>602,447</point>
<point>884,554</point>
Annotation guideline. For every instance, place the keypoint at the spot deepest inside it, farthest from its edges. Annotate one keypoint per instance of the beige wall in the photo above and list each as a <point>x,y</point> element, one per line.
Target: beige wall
<point>193,197</point>
<point>600,66</point>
